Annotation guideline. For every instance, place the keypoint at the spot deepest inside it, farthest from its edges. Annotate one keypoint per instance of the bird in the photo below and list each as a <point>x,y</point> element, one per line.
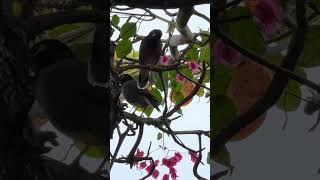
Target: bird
<point>135,96</point>
<point>74,107</point>
<point>149,54</point>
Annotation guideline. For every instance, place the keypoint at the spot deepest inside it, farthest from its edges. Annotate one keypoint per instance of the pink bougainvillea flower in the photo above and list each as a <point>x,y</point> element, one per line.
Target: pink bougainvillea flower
<point>156,162</point>
<point>168,162</point>
<point>143,165</point>
<point>139,153</point>
<point>155,174</point>
<point>174,176</point>
<point>165,177</point>
<point>177,156</point>
<point>180,78</point>
<point>225,54</point>
<point>149,168</point>
<point>193,66</point>
<point>172,170</point>
<point>165,60</point>
<point>268,13</point>
<point>194,156</point>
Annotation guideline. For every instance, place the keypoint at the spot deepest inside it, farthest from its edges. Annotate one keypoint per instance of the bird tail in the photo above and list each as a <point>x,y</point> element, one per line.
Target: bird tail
<point>155,104</point>
<point>143,79</point>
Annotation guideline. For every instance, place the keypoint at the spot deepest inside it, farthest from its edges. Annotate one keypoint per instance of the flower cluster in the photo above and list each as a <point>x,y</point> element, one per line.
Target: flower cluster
<point>143,165</point>
<point>171,163</point>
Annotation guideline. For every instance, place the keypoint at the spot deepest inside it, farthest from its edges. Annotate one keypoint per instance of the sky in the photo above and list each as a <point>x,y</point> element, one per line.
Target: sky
<point>195,116</point>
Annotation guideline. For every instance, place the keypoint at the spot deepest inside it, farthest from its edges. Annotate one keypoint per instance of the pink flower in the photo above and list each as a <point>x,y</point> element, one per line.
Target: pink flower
<point>156,162</point>
<point>155,174</point>
<point>268,13</point>
<point>180,78</point>
<point>194,156</point>
<point>149,168</point>
<point>165,177</point>
<point>165,60</point>
<point>139,153</point>
<point>169,162</point>
<point>193,66</point>
<point>178,156</point>
<point>172,170</point>
<point>225,54</point>
<point>174,176</point>
<point>143,165</point>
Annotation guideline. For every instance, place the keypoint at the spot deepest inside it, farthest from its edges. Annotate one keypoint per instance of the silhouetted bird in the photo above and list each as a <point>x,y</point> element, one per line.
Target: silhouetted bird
<point>74,107</point>
<point>135,96</point>
<point>149,54</point>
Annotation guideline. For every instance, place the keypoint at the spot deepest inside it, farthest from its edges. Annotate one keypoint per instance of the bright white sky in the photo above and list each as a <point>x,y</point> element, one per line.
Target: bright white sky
<point>195,115</point>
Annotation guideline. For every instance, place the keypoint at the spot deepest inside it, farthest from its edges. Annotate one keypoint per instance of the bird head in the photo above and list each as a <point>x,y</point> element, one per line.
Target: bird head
<point>125,77</point>
<point>155,34</point>
<point>48,52</point>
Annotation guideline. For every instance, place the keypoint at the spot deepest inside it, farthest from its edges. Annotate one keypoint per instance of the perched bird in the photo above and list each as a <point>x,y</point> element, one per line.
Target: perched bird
<point>135,96</point>
<point>149,54</point>
<point>61,87</point>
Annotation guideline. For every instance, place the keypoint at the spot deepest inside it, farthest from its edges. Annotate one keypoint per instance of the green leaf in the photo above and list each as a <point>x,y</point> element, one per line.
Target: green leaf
<point>179,97</point>
<point>115,20</point>
<point>148,111</point>
<point>179,111</point>
<point>82,51</point>
<point>159,136</point>
<point>123,48</point>
<point>207,76</point>
<point>244,31</point>
<point>205,54</point>
<point>223,112</point>
<point>192,53</point>
<point>187,72</point>
<point>128,30</point>
<point>156,93</point>
<point>171,26</point>
<point>223,157</point>
<point>179,87</point>
<point>92,151</point>
<point>310,56</point>
<point>221,79</point>
<point>200,93</point>
<point>292,103</point>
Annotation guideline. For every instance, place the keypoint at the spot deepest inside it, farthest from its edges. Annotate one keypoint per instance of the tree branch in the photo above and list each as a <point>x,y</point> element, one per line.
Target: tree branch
<point>158,4</point>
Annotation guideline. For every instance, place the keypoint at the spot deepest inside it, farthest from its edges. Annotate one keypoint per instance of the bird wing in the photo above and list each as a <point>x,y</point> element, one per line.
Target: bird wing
<point>150,98</point>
